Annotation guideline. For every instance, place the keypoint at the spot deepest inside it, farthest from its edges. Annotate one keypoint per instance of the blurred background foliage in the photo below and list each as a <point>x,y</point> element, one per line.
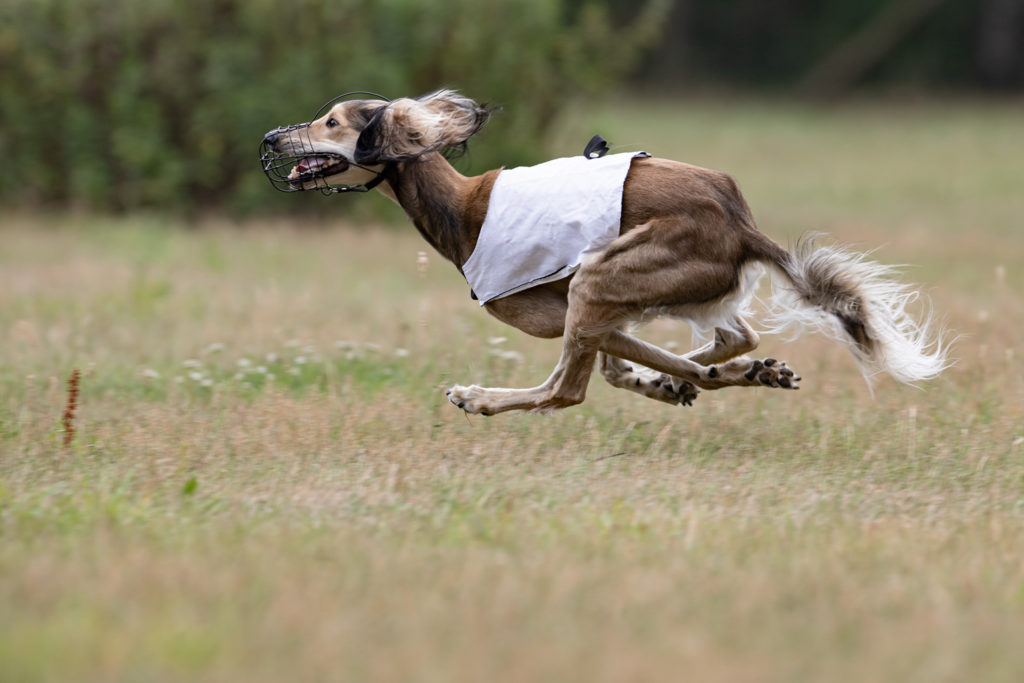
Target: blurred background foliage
<point>120,104</point>
<point>128,104</point>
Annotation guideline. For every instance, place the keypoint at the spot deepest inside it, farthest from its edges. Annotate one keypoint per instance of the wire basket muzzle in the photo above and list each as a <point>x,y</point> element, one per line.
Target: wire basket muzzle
<point>284,149</point>
<point>279,166</point>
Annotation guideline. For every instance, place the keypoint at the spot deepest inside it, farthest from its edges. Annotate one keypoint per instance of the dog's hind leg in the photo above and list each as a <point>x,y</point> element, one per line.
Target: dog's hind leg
<point>736,372</point>
<point>729,342</point>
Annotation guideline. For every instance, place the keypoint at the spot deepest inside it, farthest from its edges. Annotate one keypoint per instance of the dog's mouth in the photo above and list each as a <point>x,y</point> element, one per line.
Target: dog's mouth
<point>319,166</point>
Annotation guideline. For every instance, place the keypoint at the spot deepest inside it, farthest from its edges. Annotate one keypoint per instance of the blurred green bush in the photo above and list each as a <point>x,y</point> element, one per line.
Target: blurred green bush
<point>127,104</point>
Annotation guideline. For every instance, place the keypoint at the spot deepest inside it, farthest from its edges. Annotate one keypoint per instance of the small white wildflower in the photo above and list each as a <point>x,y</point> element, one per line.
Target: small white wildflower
<point>401,353</point>
<point>374,348</point>
<point>207,382</point>
<point>213,348</point>
<point>150,373</point>
<point>513,356</point>
<point>421,261</point>
<point>243,362</point>
<point>300,360</point>
<point>192,363</point>
<point>239,376</point>
<point>195,376</point>
<point>270,377</point>
<point>293,371</point>
<point>344,345</point>
<point>271,357</point>
<point>494,341</point>
<point>310,349</point>
<point>179,379</point>
<point>262,369</point>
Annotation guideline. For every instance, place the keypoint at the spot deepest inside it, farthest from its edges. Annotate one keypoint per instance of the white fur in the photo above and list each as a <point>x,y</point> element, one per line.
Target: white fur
<point>908,350</point>
<point>723,312</point>
<point>824,280</point>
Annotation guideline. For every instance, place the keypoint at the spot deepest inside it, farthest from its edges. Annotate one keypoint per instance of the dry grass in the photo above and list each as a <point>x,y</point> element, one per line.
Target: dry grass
<point>340,521</point>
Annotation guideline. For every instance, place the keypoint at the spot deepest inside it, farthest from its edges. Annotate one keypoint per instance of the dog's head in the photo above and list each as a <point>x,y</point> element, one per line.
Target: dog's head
<point>349,146</point>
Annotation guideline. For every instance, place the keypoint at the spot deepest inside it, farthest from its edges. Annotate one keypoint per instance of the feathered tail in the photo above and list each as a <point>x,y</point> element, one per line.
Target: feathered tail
<point>858,303</point>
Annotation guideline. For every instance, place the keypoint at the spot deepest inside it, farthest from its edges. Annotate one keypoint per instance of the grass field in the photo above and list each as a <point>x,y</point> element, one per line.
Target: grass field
<point>266,483</point>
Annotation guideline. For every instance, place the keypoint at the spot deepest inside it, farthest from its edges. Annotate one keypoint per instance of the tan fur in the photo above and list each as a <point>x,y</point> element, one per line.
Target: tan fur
<point>688,248</point>
<point>426,124</point>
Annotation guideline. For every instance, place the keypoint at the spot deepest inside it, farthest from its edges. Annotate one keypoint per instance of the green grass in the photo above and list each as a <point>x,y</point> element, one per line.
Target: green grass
<point>266,482</point>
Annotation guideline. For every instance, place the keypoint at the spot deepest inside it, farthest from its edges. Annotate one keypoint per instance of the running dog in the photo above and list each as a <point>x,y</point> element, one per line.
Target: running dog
<point>668,239</point>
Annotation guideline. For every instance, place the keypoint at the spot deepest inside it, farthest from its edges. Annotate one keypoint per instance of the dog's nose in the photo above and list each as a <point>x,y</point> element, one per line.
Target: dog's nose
<point>272,137</point>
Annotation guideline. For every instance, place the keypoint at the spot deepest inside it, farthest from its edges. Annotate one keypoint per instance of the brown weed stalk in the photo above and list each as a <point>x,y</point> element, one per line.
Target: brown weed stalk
<point>68,419</point>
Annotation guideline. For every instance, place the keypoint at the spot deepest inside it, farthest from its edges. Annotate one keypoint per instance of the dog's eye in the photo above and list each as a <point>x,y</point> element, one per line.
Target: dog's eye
<point>332,123</point>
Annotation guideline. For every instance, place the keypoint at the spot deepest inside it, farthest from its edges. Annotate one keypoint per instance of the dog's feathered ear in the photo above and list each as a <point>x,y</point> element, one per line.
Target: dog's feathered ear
<point>408,128</point>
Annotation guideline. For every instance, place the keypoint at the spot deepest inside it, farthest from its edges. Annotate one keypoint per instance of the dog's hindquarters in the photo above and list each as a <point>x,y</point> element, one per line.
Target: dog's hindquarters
<point>858,303</point>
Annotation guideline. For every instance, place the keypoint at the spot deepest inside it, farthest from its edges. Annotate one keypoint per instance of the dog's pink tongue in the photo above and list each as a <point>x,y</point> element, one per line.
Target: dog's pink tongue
<point>309,163</point>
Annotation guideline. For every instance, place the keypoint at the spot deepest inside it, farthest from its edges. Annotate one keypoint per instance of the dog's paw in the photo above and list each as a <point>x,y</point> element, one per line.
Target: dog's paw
<point>686,392</point>
<point>668,389</point>
<point>657,385</point>
<point>467,398</point>
<point>772,373</point>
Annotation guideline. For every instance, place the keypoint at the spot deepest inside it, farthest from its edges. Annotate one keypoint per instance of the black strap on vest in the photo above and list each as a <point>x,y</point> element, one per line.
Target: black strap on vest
<point>596,148</point>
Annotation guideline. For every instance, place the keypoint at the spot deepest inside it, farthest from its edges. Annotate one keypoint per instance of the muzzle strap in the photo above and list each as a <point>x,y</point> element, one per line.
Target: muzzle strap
<point>379,178</point>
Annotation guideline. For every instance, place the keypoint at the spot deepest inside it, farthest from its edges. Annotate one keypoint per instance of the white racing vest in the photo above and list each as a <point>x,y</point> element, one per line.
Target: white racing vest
<point>542,221</point>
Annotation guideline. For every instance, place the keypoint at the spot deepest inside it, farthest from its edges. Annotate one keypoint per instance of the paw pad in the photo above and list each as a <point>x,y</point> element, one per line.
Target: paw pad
<point>755,368</point>
<point>772,373</point>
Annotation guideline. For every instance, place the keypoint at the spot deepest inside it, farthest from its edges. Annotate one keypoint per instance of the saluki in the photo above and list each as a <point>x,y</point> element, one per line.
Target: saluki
<point>684,245</point>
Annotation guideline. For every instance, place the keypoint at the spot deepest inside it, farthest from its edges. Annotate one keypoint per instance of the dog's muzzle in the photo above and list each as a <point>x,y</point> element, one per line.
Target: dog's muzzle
<point>291,164</point>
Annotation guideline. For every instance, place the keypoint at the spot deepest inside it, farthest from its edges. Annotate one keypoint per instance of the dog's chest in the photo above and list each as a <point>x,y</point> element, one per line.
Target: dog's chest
<point>542,221</point>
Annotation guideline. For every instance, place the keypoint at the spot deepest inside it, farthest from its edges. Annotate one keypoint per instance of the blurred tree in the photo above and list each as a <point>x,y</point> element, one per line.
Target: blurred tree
<point>1001,42</point>
<point>779,44</point>
<point>119,104</point>
<point>868,46</point>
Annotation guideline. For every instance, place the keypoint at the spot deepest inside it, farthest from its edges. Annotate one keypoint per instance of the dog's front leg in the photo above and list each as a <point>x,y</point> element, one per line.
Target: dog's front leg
<point>567,385</point>
<point>586,328</point>
<point>479,400</point>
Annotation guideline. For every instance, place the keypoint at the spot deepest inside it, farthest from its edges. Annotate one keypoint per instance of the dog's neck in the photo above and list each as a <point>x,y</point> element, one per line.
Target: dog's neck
<point>445,206</point>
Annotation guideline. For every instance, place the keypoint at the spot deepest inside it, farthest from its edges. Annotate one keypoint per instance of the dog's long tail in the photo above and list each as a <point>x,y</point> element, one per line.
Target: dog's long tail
<point>858,303</point>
